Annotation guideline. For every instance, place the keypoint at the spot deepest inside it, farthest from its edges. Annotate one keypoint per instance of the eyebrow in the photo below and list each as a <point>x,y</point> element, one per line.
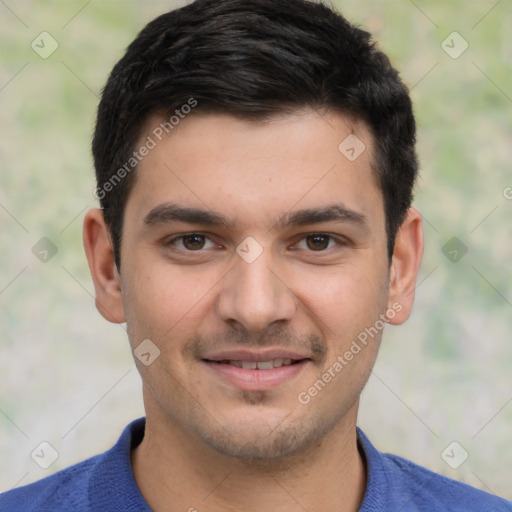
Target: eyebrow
<point>330,213</point>
<point>170,212</point>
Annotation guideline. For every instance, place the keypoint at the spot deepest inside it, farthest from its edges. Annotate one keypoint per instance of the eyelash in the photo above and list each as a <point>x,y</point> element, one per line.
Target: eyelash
<point>182,237</point>
<point>340,241</point>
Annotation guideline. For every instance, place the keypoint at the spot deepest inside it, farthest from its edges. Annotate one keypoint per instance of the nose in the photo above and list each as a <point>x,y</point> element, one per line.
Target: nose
<point>254,295</point>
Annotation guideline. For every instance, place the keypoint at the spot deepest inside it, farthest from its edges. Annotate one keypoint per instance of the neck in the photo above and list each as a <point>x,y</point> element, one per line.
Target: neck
<point>173,467</point>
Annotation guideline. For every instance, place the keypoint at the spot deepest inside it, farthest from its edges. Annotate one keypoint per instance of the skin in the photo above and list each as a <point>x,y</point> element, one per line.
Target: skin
<point>208,444</point>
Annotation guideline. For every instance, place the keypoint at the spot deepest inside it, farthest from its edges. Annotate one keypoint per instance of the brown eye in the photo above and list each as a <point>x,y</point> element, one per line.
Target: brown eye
<point>193,242</point>
<point>318,242</point>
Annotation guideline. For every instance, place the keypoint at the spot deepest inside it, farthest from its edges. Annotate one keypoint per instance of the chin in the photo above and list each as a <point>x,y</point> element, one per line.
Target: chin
<point>259,442</point>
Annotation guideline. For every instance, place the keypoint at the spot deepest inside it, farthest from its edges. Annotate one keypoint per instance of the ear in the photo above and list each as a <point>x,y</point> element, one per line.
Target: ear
<point>100,256</point>
<point>405,264</point>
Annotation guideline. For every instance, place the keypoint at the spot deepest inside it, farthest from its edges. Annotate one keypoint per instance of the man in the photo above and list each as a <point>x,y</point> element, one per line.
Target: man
<point>255,162</point>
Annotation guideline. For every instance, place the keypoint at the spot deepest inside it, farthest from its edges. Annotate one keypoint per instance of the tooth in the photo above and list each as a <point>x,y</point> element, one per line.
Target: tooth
<point>277,363</point>
<point>265,365</point>
<point>249,365</point>
<point>238,364</point>
<point>287,362</point>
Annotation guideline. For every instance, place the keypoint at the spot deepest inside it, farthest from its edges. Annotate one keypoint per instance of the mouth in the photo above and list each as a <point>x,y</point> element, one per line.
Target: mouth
<point>256,372</point>
<point>257,365</point>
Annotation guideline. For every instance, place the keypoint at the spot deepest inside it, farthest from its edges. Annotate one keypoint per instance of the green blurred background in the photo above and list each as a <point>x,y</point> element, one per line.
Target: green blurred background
<point>67,376</point>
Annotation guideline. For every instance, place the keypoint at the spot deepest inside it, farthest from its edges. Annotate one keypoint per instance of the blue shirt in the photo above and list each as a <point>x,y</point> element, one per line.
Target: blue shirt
<point>105,483</point>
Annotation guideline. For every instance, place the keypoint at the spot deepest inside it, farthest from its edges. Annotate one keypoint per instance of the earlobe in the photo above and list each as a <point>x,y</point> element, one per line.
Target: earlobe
<point>405,264</point>
<point>100,256</point>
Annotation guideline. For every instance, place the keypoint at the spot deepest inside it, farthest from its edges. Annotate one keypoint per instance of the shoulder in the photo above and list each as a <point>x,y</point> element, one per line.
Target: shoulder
<point>103,482</point>
<point>426,490</point>
<point>395,483</point>
<point>66,489</point>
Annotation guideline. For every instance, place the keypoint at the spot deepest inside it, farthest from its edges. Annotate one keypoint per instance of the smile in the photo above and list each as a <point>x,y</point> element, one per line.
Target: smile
<point>258,365</point>
<point>256,375</point>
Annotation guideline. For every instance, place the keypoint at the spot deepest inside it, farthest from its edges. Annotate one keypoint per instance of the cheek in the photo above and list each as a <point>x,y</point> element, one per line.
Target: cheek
<point>347,306</point>
<point>161,300</point>
<point>346,298</point>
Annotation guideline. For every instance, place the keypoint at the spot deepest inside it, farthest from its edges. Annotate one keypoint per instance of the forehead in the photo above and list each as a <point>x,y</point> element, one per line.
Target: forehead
<point>256,171</point>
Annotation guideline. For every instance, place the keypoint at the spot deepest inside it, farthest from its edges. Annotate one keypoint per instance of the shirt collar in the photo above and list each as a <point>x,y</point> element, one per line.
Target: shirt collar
<point>113,471</point>
<point>112,485</point>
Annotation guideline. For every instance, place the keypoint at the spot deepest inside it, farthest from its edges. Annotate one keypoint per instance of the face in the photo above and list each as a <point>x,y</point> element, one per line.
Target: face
<point>254,258</point>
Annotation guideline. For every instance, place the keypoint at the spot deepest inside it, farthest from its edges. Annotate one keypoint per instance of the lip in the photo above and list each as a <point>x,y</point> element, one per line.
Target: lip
<point>256,380</point>
<point>255,355</point>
